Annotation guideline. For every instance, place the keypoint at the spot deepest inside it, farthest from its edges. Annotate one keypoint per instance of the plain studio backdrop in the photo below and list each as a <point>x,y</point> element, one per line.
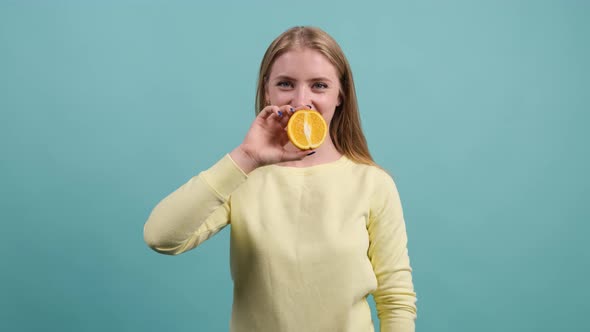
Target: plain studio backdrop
<point>479,109</point>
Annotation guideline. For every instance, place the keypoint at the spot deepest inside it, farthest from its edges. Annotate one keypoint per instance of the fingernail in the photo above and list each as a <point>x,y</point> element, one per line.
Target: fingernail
<point>280,113</point>
<point>309,154</point>
<point>309,106</point>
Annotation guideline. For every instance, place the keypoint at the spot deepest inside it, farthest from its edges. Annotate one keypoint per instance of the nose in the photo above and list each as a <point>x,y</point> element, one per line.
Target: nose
<point>301,96</point>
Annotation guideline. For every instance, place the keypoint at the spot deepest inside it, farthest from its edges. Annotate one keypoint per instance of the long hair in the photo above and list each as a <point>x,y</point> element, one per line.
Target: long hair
<point>345,127</point>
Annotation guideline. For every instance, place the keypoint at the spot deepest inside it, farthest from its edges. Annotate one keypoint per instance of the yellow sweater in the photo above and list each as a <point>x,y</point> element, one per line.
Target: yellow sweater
<point>308,245</point>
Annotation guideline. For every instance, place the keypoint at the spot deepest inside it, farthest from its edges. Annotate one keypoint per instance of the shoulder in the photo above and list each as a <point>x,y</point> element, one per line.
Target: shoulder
<point>374,176</point>
<point>382,191</point>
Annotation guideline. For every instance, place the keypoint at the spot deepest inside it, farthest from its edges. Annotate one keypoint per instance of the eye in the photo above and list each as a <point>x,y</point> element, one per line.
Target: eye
<point>284,84</point>
<point>320,85</point>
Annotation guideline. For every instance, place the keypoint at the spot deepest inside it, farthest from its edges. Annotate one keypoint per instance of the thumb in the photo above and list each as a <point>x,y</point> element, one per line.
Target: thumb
<point>296,155</point>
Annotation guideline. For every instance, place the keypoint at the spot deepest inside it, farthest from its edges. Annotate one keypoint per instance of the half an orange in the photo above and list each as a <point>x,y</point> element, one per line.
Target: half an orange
<point>307,129</point>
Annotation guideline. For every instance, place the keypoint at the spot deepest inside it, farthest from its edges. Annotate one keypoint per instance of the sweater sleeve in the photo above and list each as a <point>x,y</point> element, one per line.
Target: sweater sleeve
<point>194,212</point>
<point>395,298</point>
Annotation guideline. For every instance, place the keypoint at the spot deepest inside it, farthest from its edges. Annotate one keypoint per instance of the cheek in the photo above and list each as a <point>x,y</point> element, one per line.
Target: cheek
<point>331,98</point>
<point>278,95</point>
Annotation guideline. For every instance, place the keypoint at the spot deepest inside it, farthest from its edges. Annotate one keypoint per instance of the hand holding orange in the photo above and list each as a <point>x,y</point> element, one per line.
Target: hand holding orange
<point>307,129</point>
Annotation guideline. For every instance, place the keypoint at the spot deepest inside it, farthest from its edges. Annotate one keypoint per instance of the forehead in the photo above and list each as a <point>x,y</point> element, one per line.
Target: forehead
<point>303,63</point>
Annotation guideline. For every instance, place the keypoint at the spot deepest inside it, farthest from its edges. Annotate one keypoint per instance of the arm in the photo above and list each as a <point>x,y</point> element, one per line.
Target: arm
<point>200,208</point>
<point>195,211</point>
<point>394,297</point>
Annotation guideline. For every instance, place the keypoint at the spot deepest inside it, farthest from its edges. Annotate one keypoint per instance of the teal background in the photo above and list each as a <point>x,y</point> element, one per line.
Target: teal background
<point>478,108</point>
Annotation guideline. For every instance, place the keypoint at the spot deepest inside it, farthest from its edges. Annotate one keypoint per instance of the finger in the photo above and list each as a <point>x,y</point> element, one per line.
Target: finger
<point>283,138</point>
<point>268,111</point>
<point>296,155</point>
<point>285,115</point>
<point>287,109</point>
<point>279,116</point>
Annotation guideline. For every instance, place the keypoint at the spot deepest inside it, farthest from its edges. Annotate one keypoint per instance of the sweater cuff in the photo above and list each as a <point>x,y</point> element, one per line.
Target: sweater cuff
<point>224,177</point>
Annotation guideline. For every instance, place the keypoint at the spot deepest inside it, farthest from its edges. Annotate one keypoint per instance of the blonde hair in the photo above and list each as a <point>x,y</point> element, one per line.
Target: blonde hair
<point>345,127</point>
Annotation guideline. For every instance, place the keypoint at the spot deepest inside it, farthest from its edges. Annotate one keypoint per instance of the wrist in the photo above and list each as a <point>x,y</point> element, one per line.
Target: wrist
<point>244,159</point>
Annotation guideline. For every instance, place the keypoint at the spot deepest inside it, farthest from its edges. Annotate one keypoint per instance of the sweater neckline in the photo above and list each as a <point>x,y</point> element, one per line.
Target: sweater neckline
<point>311,169</point>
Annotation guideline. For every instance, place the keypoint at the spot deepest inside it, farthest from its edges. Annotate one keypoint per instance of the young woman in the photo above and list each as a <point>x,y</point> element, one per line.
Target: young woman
<point>312,233</point>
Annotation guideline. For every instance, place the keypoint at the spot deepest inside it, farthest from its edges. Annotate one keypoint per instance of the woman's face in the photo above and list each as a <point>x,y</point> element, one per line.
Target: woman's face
<point>304,77</point>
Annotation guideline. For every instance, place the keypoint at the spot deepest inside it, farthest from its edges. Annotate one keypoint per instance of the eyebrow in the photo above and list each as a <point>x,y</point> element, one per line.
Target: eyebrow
<point>315,79</point>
